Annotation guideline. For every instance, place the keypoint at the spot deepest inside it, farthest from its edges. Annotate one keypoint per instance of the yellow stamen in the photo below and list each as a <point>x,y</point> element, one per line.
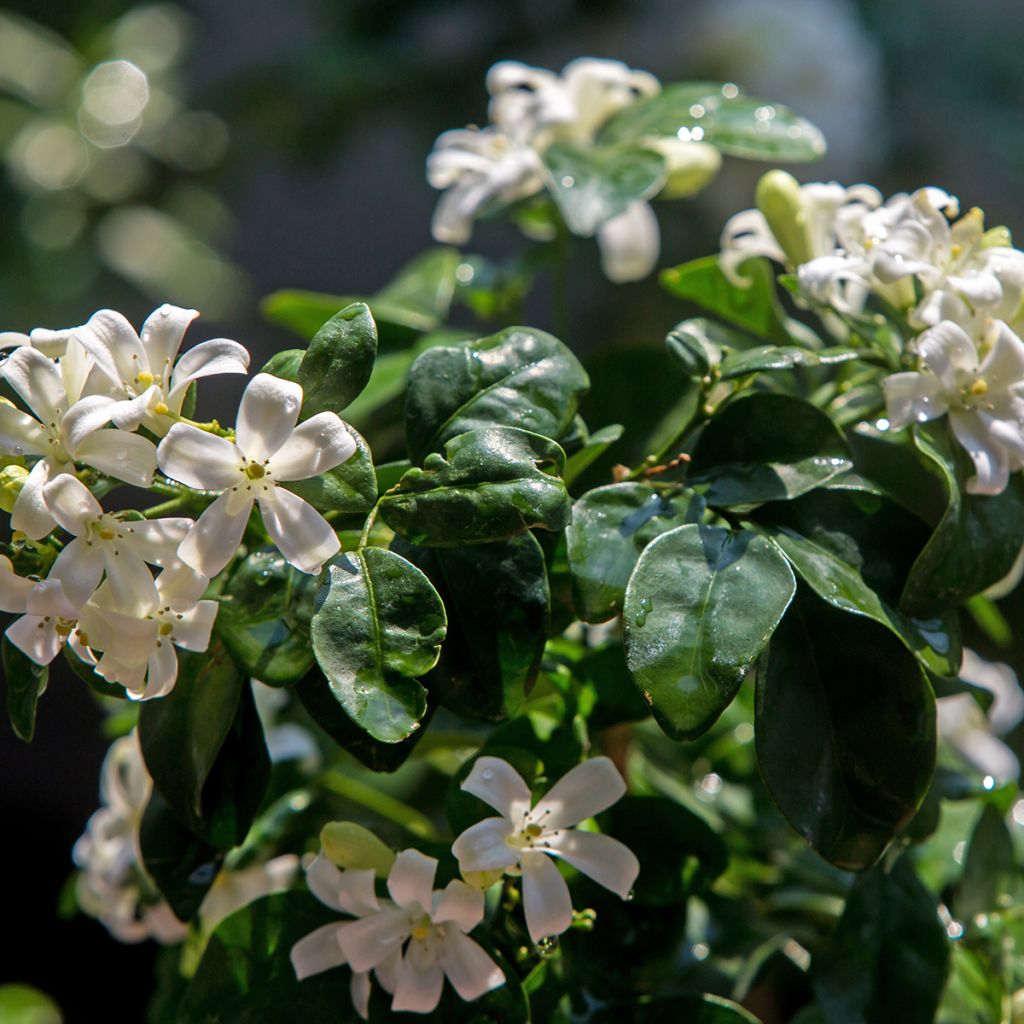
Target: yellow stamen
<point>533,831</point>
<point>145,378</point>
<point>254,471</point>
<point>979,387</point>
<point>166,629</point>
<point>161,409</point>
<point>421,931</point>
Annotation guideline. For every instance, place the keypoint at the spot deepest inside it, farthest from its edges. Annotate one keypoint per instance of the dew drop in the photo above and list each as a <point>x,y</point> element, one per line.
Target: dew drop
<point>640,619</point>
<point>487,774</point>
<point>18,450</point>
<point>568,181</point>
<point>121,454</point>
<point>630,896</point>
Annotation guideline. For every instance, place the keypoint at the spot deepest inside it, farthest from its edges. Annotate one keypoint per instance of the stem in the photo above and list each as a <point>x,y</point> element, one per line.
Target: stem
<point>172,505</point>
<point>364,537</point>
<point>381,803</point>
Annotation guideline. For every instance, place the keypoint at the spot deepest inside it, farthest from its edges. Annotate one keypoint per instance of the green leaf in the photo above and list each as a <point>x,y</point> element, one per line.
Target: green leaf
<point>499,604</point>
<point>991,877</point>
<point>753,308</point>
<point>487,487</point>
<point>691,1008</point>
<point>887,960</point>
<point>350,487</point>
<point>519,377</point>
<point>285,364</point>
<point>610,527</point>
<point>616,697</point>
<point>203,745</point>
<point>845,729</point>
<point>264,618</point>
<point>379,626</point>
<point>182,865</point>
<point>854,550</point>
<point>782,357</point>
<point>417,299</point>
<point>246,976</point>
<point>592,184</point>
<point>699,608</point>
<point>26,683</point>
<point>593,448</point>
<point>978,538</point>
<point>731,121</point>
<point>22,1004</point>
<point>766,447</point>
<point>698,344</point>
<point>338,363</point>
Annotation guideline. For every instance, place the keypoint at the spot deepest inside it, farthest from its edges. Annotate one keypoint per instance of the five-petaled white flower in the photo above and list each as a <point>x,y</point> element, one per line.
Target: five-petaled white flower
<point>982,392</point>
<point>430,924</point>
<point>47,618</point>
<point>268,450</point>
<point>525,840</point>
<point>149,380</point>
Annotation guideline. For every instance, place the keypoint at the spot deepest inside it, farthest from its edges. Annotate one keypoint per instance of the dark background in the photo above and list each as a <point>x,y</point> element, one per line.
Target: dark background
<point>301,165</point>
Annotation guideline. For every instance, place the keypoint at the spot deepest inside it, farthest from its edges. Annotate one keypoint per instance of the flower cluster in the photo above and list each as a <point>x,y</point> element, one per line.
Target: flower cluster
<point>957,287</point>
<point>418,937</point>
<point>101,404</point>
<point>482,169</point>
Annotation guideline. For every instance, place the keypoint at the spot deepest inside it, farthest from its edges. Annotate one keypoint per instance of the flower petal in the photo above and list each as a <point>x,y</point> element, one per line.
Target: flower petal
<point>348,891</point>
<point>546,901</point>
<point>86,416</point>
<point>218,355</point>
<point>370,940</point>
<point>200,459</point>
<point>945,349</point>
<point>602,858</point>
<point>913,398</point>
<point>482,846</point>
<point>630,244</point>
<point>14,589</point>
<point>317,952</point>
<point>128,457</point>
<point>21,434</point>
<point>319,444</point>
<point>991,464</point>
<point>37,381</point>
<point>460,904</point>
<point>162,334</point>
<point>161,672</point>
<point>1004,364</point>
<point>192,628</point>
<point>470,970</point>
<point>267,415</point>
<point>586,790</point>
<point>359,990</point>
<point>411,880</point>
<point>30,514</point>
<point>499,785</point>
<point>113,343</point>
<point>79,568</point>
<point>71,503</point>
<point>131,583</point>
<point>418,991</point>
<point>214,539</point>
<point>301,534</point>
<point>35,638</point>
<point>156,540</point>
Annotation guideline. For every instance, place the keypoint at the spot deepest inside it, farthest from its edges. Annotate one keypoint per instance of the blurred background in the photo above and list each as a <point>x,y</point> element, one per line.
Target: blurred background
<point>209,153</point>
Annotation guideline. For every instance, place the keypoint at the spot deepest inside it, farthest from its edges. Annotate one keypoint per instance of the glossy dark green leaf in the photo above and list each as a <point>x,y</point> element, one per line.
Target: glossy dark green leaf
<point>974,993</point>
<point>499,604</point>
<point>203,745</point>
<point>417,299</point>
<point>379,626</point>
<point>782,357</point>
<point>182,865</point>
<point>699,608</point>
<point>617,699</point>
<point>592,184</point>
<point>766,447</point>
<point>753,308</point>
<point>22,1004</point>
<point>610,527</point>
<point>519,377</point>
<point>488,486</point>
<point>285,364</point>
<point>338,363</point>
<point>845,729</point>
<point>978,538</point>
<point>25,682</point>
<point>692,1008</point>
<point>698,344</point>
<point>593,448</point>
<point>991,876</point>
<point>350,487</point>
<point>854,550</point>
<point>728,119</point>
<point>246,976</point>
<point>264,618</point>
<point>886,961</point>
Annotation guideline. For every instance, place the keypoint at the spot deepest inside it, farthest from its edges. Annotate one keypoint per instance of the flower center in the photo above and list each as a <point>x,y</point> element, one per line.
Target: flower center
<point>979,387</point>
<point>255,471</point>
<point>145,378</point>
<point>422,928</point>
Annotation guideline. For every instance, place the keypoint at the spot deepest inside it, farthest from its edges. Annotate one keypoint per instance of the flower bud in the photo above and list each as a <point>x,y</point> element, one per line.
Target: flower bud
<point>12,479</point>
<point>351,846</point>
<point>690,166</point>
<point>780,200</point>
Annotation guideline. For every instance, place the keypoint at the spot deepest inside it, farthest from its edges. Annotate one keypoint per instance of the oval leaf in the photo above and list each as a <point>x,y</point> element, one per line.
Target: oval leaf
<point>699,609</point>
<point>845,730</point>
<point>519,377</point>
<point>380,626</point>
<point>25,682</point>
<point>339,361</point>
<point>487,487</point>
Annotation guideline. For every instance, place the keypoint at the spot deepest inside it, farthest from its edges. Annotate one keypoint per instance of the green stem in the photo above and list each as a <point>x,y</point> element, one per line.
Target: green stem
<point>381,803</point>
<point>364,537</point>
<point>182,501</point>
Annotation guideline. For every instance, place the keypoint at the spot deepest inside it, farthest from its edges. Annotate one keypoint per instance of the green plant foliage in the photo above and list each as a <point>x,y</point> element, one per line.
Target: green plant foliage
<point>22,1004</point>
<point>349,488</point>
<point>378,628</point>
<point>519,378</point>
<point>25,682</point>
<point>700,606</point>
<point>488,486</point>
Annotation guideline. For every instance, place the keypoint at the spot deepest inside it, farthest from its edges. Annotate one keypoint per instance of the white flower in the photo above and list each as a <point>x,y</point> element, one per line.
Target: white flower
<point>107,542</point>
<point>269,449</point>
<point>65,430</point>
<point>434,923</point>
<point>525,840</point>
<point>982,396</point>
<point>138,645</point>
<point>112,879</point>
<point>149,379</point>
<point>234,889</point>
<point>47,619</point>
